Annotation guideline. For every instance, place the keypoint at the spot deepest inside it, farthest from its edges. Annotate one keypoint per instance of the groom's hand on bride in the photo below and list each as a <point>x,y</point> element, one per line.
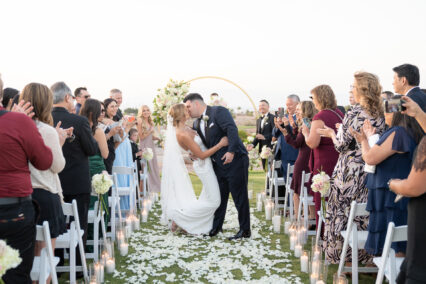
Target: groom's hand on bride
<point>228,157</point>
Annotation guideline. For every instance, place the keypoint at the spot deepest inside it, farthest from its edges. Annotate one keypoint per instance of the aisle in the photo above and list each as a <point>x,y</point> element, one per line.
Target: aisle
<point>158,256</point>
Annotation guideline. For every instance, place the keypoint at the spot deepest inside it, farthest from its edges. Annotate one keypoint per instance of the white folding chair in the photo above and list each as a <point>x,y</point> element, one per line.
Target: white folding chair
<point>288,197</point>
<point>130,190</point>
<point>276,181</point>
<point>388,263</point>
<point>144,176</point>
<point>70,240</point>
<point>96,218</point>
<point>45,264</point>
<point>269,170</point>
<point>356,240</point>
<point>305,201</point>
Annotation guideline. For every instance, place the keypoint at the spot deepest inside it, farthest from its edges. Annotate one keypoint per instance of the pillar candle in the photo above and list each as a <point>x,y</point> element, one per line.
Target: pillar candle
<point>110,265</point>
<point>292,242</point>
<point>304,261</point>
<point>287,225</point>
<point>124,249</point>
<point>276,221</point>
<point>144,215</point>
<point>250,194</point>
<point>259,206</point>
<point>268,211</point>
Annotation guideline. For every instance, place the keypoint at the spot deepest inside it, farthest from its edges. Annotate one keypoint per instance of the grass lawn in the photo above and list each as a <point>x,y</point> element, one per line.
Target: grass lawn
<point>125,267</point>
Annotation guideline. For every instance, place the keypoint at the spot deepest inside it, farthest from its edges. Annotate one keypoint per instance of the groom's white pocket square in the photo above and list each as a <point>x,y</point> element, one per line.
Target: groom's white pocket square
<point>211,125</point>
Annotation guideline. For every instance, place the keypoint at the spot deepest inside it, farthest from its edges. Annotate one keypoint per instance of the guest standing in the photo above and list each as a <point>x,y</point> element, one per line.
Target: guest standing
<point>24,144</point>
<point>348,179</point>
<point>324,154</point>
<point>392,156</point>
<point>295,138</point>
<point>264,127</point>
<point>47,190</point>
<point>75,177</point>
<point>116,95</point>
<point>81,95</point>
<point>147,138</point>
<point>406,80</point>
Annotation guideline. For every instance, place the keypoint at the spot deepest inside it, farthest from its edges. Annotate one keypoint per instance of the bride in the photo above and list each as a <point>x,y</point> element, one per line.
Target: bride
<point>180,206</point>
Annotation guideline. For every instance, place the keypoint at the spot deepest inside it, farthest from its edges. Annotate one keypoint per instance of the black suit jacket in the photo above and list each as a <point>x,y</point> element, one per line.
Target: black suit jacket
<point>266,131</point>
<point>75,177</point>
<point>419,97</point>
<point>220,124</point>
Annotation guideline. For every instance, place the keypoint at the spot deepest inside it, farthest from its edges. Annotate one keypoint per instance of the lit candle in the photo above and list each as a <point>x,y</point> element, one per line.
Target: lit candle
<point>317,254</point>
<point>259,206</point>
<point>268,211</point>
<point>314,278</point>
<point>276,221</point>
<point>99,272</point>
<point>124,249</point>
<point>287,225</point>
<point>292,242</point>
<point>104,257</point>
<point>250,194</point>
<point>129,220</point>
<point>149,204</point>
<point>144,215</point>
<point>120,237</point>
<point>145,204</point>
<point>259,197</point>
<point>128,231</point>
<point>304,261</point>
<point>136,223</point>
<point>297,250</point>
<point>110,265</point>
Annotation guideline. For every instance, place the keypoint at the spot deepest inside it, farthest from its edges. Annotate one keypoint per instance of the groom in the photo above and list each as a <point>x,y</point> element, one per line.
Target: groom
<point>230,163</point>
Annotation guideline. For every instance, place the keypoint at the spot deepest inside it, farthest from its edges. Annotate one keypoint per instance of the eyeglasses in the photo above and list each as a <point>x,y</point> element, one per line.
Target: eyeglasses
<point>71,96</point>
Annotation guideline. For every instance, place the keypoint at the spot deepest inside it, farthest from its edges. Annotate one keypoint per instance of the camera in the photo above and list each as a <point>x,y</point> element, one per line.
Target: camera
<point>307,122</point>
<point>280,112</point>
<point>394,105</point>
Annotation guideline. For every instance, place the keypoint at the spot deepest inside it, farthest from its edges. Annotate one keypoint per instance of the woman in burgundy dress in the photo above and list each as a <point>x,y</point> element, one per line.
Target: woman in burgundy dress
<point>324,154</point>
<point>295,138</point>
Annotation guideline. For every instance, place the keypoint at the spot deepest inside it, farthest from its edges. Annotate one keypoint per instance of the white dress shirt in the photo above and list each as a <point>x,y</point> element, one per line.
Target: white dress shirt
<point>202,124</point>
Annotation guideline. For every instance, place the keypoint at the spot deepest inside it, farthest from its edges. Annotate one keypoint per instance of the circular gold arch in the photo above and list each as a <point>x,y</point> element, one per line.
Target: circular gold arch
<point>229,81</point>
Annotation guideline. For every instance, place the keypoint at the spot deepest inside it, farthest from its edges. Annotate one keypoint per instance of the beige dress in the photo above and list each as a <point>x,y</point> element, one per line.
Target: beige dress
<point>154,172</point>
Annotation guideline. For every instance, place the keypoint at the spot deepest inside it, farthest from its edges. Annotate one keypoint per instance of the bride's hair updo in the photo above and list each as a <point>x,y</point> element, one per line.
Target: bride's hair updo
<point>177,112</point>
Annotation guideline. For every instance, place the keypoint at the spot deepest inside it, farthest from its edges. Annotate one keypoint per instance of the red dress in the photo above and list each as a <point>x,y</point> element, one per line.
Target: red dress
<point>325,155</point>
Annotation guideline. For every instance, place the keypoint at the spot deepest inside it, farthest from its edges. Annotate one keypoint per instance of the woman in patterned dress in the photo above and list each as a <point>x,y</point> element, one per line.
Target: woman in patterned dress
<point>348,179</point>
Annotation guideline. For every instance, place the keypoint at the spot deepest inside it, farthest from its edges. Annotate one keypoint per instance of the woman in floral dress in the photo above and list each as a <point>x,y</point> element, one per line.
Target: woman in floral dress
<point>348,179</point>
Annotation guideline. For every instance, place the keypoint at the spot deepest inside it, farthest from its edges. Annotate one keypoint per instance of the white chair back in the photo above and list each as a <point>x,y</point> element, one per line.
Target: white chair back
<point>129,191</point>
<point>388,263</point>
<point>45,264</point>
<point>288,198</point>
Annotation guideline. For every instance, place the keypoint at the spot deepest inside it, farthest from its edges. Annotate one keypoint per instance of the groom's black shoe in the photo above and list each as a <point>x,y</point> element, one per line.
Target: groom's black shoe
<point>214,232</point>
<point>241,234</point>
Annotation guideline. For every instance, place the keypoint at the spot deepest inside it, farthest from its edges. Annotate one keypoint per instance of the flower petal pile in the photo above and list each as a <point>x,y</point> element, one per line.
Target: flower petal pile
<point>160,256</point>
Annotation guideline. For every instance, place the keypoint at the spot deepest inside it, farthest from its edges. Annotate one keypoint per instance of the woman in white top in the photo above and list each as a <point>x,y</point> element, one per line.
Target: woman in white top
<point>47,190</point>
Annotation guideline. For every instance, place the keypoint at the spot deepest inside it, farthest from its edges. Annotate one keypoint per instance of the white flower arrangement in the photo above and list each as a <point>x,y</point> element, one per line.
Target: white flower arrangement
<point>9,258</point>
<point>250,139</point>
<point>173,93</point>
<point>321,184</point>
<point>147,154</point>
<point>266,153</point>
<point>101,183</point>
<point>254,159</point>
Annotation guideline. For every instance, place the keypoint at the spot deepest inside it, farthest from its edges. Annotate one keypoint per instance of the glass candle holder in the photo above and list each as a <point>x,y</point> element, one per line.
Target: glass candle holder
<point>304,261</point>
<point>339,279</point>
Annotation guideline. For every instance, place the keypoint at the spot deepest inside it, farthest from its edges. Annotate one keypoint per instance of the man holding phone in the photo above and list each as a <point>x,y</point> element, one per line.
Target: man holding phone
<point>264,126</point>
<point>406,82</point>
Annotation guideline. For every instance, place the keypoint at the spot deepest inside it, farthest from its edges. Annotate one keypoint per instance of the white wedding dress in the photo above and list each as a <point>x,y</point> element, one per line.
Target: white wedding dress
<point>178,200</point>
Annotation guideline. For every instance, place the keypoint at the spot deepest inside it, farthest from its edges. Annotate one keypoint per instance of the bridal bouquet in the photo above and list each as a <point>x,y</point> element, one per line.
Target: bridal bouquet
<point>101,183</point>
<point>266,153</point>
<point>321,184</point>
<point>173,93</point>
<point>9,258</point>
<point>147,154</point>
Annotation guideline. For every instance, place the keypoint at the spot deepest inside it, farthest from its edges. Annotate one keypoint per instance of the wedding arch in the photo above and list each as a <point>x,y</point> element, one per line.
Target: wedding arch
<point>175,91</point>
<point>232,83</point>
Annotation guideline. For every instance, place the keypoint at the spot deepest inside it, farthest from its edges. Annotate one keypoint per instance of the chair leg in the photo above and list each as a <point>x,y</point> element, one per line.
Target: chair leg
<point>96,239</point>
<point>318,236</point>
<point>72,262</point>
<point>354,255</point>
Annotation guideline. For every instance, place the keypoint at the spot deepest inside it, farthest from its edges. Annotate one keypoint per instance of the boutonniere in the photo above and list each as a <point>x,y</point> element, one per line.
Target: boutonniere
<point>206,118</point>
<point>265,119</point>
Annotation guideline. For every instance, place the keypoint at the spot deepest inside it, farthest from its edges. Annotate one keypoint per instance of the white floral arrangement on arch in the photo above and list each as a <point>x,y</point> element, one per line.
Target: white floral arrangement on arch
<point>266,153</point>
<point>9,258</point>
<point>321,184</point>
<point>173,93</point>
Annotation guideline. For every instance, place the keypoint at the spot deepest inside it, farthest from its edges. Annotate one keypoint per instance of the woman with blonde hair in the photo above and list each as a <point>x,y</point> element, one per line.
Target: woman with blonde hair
<point>348,179</point>
<point>47,190</point>
<point>147,137</point>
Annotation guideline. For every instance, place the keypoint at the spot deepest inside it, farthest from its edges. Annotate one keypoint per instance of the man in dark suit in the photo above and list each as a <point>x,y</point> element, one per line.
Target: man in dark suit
<point>230,163</point>
<point>406,80</point>
<point>264,127</point>
<point>75,177</point>
<point>117,95</point>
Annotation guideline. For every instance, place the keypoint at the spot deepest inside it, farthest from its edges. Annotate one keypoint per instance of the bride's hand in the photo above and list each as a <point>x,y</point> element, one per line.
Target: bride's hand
<point>223,142</point>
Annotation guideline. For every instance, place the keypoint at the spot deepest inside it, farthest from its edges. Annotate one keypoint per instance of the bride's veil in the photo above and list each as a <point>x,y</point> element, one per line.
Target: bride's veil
<point>176,187</point>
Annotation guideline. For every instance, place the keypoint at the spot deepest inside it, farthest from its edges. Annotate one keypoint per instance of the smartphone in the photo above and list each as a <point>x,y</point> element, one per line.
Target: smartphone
<point>307,122</point>
<point>280,112</point>
<point>393,105</point>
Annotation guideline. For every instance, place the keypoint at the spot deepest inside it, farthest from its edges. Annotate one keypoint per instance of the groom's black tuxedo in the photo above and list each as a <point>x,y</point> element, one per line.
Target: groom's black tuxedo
<point>232,177</point>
